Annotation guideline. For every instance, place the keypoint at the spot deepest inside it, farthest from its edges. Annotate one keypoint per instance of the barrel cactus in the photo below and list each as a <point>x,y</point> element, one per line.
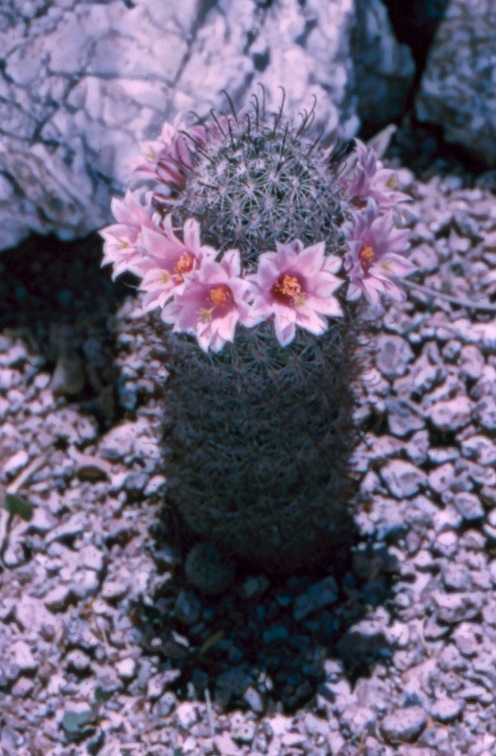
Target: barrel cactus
<point>259,247</point>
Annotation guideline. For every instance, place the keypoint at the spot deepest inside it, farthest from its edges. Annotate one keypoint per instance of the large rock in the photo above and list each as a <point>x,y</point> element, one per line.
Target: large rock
<point>458,89</point>
<point>82,82</point>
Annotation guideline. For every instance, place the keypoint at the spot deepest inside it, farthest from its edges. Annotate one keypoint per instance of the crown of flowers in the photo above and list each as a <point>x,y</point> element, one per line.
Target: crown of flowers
<point>208,292</point>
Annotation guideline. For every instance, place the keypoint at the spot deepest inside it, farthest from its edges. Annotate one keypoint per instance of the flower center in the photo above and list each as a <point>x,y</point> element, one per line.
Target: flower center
<point>288,290</point>
<point>366,256</point>
<point>221,297</point>
<point>183,265</point>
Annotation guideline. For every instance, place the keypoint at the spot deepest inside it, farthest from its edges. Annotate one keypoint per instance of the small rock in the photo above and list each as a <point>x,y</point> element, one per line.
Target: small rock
<point>244,732</point>
<point>404,725</point>
<point>402,478</point>
<point>316,597</point>
<point>469,506</point>
<point>293,739</point>
<point>453,608</point>
<point>225,745</point>
<point>402,417</point>
<point>186,715</point>
<point>254,700</point>
<point>187,607</point>
<point>126,668</point>
<point>485,413</point>
<point>68,377</point>
<point>135,484</point>
<point>451,414</point>
<point>446,710</point>
<point>15,463</point>
<point>254,587</point>
<point>84,583</point>
<point>456,577</point>
<point>471,362</point>
<point>393,355</point>
<point>58,598</point>
<point>22,656</point>
<point>159,682</point>
<point>78,661</point>
<point>446,544</point>
<point>113,590</point>
<point>441,478</point>
<point>91,468</point>
<point>92,558</point>
<point>468,639</point>
<point>207,570</point>
<point>22,688</point>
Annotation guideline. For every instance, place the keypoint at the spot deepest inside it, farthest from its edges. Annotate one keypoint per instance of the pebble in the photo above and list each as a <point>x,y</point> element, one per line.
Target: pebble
<point>254,700</point>
<point>78,661</point>
<point>22,688</point>
<point>113,590</point>
<point>485,413</point>
<point>186,715</point>
<point>126,668</point>
<point>453,608</point>
<point>225,745</point>
<point>456,577</point>
<point>92,558</point>
<point>207,570</point>
<point>68,377</point>
<point>452,414</point>
<point>402,417</point>
<point>402,478</point>
<point>58,598</point>
<point>22,657</point>
<point>468,639</point>
<point>393,355</point>
<point>446,710</point>
<point>404,725</point>
<point>15,463</point>
<point>469,506</point>
<point>315,598</point>
<point>158,683</point>
<point>187,608</point>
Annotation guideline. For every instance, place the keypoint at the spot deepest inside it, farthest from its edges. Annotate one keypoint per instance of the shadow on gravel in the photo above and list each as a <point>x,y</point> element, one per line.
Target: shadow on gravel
<point>264,644</point>
<point>55,295</point>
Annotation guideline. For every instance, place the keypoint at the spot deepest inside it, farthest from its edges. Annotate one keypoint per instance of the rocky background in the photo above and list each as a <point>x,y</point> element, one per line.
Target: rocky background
<point>81,83</point>
<point>112,640</point>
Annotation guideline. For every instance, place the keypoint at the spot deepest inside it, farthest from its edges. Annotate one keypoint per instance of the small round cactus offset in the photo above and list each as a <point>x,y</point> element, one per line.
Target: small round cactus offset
<point>259,248</point>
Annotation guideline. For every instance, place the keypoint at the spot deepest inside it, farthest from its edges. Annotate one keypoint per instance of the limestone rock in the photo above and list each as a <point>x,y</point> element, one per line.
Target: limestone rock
<point>457,88</point>
<point>83,83</point>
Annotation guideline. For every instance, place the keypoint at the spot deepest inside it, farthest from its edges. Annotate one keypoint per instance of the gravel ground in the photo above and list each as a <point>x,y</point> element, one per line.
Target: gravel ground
<point>111,641</point>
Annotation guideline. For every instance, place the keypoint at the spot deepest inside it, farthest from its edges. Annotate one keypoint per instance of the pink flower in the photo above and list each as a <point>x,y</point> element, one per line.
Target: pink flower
<point>122,247</point>
<point>375,256</point>
<point>215,299</point>
<point>170,158</point>
<point>168,261</point>
<point>296,286</point>
<point>367,179</point>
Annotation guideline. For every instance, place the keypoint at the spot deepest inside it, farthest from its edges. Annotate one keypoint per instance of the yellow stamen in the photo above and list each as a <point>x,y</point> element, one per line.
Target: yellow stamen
<point>288,286</point>
<point>366,256</point>
<point>183,265</point>
<point>220,296</point>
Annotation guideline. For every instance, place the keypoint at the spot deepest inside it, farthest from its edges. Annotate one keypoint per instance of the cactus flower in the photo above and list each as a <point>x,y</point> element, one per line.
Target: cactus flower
<point>375,256</point>
<point>169,261</point>
<point>367,179</point>
<point>169,158</point>
<point>123,240</point>
<point>215,299</point>
<point>296,286</point>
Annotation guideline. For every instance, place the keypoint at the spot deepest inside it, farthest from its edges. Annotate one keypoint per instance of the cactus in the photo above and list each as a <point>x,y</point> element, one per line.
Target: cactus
<point>238,241</point>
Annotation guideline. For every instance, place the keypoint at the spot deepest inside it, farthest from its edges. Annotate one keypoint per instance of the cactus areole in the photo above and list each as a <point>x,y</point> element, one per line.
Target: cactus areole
<point>257,247</point>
